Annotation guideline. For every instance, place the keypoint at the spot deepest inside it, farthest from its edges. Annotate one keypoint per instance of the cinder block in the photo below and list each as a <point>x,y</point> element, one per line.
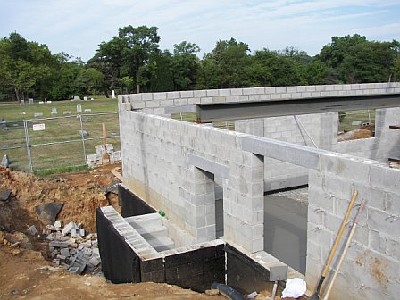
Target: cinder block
<point>237,92</point>
<point>211,93</point>
<point>173,95</point>
<point>187,94</point>
<point>200,93</point>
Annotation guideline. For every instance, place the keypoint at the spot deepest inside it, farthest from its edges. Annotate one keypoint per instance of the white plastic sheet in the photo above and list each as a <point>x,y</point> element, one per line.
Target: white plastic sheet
<point>295,288</point>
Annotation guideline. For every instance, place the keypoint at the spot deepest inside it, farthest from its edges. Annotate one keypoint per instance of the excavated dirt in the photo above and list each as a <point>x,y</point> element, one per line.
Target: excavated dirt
<point>25,271</point>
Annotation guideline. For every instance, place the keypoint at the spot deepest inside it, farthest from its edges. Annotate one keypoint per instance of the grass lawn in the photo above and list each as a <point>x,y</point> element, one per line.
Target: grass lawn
<point>65,126</point>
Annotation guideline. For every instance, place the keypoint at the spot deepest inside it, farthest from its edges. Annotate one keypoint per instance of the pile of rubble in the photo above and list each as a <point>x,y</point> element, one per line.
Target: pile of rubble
<point>72,249</point>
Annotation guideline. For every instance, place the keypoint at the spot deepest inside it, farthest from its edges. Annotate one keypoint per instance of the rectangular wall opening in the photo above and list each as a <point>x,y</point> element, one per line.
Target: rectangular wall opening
<point>285,226</point>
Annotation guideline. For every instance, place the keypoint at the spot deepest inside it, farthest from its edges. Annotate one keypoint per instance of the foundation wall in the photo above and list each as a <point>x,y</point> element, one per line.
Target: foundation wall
<point>370,270</point>
<point>158,168</point>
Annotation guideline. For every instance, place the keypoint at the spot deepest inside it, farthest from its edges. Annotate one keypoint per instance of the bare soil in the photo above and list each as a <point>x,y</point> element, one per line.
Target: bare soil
<point>25,271</point>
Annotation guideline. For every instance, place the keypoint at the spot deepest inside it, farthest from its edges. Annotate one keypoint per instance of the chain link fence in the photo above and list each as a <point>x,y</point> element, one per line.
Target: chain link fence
<point>58,142</point>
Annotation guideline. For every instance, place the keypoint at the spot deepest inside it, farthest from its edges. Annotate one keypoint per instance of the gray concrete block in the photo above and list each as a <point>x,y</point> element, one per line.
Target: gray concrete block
<point>299,155</point>
<point>209,166</point>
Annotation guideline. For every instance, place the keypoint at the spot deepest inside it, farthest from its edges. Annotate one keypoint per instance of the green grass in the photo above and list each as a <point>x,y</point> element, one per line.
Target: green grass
<point>60,170</point>
<point>361,115</point>
<point>63,127</point>
<point>12,111</point>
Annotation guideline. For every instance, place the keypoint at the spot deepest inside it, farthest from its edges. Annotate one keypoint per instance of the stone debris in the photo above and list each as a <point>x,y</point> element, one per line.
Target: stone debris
<point>72,249</point>
<point>5,195</point>
<point>48,212</point>
<point>32,230</point>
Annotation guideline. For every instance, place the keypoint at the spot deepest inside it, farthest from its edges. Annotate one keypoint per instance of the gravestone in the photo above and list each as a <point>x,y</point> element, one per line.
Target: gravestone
<point>76,98</point>
<point>30,100</point>
<point>49,102</point>
<point>68,112</point>
<point>112,94</point>
<point>91,98</point>
<point>79,108</point>
<point>22,101</point>
<point>54,111</point>
<point>88,110</point>
<point>41,102</point>
<point>38,114</point>
<point>85,98</point>
<point>5,162</point>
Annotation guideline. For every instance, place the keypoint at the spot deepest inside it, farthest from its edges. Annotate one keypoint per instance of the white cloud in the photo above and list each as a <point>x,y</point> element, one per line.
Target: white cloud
<point>78,26</point>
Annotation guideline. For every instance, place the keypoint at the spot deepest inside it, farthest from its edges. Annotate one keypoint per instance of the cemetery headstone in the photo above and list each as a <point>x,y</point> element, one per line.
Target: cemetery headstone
<point>30,100</point>
<point>88,110</point>
<point>79,108</point>
<point>85,98</point>
<point>54,111</point>
<point>112,94</point>
<point>49,102</point>
<point>38,114</point>
<point>77,98</point>
<point>41,102</point>
<point>22,101</point>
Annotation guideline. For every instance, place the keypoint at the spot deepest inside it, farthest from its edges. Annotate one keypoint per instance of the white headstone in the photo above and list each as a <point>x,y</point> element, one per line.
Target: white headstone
<point>77,98</point>
<point>91,98</point>
<point>41,102</point>
<point>30,100</point>
<point>78,108</point>
<point>38,114</point>
<point>22,101</point>
<point>112,94</point>
<point>49,102</point>
<point>85,98</point>
<point>54,111</point>
<point>88,110</point>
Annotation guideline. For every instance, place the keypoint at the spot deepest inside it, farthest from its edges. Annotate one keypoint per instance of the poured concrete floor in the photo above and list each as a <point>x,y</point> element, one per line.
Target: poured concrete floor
<point>285,227</point>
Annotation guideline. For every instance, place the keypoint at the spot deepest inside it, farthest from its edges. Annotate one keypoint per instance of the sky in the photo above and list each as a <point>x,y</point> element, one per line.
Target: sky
<point>77,27</point>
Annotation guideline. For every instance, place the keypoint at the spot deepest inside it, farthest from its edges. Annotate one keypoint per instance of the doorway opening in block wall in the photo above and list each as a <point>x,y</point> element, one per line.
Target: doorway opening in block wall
<point>354,125</point>
<point>219,207</point>
<point>285,225</point>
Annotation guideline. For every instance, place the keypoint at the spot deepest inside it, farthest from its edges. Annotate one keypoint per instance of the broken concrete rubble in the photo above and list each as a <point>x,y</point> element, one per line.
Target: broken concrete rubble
<point>70,249</point>
<point>48,212</point>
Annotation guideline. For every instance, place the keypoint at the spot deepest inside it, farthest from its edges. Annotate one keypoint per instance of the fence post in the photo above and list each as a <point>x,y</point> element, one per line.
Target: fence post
<point>83,139</point>
<point>28,146</point>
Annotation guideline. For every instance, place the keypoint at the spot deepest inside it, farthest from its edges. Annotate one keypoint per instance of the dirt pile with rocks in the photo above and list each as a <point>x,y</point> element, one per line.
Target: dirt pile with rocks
<point>29,205</point>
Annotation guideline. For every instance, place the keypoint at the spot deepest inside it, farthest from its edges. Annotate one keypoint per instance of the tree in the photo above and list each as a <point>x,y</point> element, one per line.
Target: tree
<point>184,65</point>
<point>109,60</point>
<point>226,65</point>
<point>357,60</point>
<point>140,44</point>
<point>89,81</point>
<point>24,65</point>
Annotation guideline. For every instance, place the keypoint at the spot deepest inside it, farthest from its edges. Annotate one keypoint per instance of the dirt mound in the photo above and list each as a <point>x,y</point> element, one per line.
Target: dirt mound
<point>25,272</point>
<point>355,134</point>
<point>79,193</point>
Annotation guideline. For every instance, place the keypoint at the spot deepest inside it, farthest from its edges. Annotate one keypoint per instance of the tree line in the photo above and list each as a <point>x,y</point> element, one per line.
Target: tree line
<point>132,62</point>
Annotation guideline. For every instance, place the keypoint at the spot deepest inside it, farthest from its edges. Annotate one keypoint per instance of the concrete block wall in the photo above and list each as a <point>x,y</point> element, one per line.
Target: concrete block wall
<point>370,270</point>
<point>383,145</point>
<point>155,103</point>
<point>314,130</point>
<point>156,168</point>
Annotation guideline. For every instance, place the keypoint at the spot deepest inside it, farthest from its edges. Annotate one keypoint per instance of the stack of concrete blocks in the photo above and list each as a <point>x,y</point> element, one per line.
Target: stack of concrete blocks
<point>371,268</point>
<point>156,167</point>
<point>98,159</point>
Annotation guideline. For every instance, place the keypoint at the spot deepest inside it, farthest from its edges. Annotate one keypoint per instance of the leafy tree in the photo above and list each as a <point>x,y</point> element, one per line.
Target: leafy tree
<point>358,60</point>
<point>24,65</point>
<point>140,44</point>
<point>109,60</point>
<point>184,65</point>
<point>225,66</point>
<point>89,81</point>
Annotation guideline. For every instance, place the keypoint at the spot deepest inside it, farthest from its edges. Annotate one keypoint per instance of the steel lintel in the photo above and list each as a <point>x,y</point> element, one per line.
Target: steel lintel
<point>252,110</point>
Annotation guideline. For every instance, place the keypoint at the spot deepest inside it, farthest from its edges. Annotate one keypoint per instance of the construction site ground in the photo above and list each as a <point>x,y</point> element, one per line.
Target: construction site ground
<point>26,271</point>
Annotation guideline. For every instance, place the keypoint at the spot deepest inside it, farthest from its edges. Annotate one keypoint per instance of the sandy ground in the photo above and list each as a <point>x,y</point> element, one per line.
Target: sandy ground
<point>25,271</point>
